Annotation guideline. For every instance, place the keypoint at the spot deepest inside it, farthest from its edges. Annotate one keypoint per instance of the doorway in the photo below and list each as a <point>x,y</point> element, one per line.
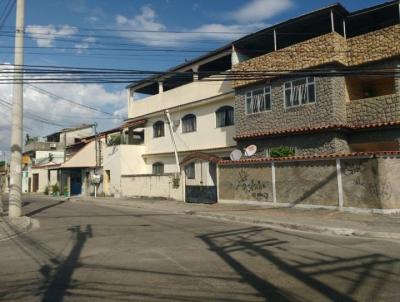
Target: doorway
<point>76,182</point>
<point>35,185</point>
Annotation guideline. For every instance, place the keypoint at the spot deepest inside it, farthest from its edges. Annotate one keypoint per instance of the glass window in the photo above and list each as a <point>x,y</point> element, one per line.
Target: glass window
<point>225,116</point>
<point>299,92</point>
<point>158,168</point>
<point>258,100</point>
<point>189,123</point>
<point>190,171</point>
<point>158,129</point>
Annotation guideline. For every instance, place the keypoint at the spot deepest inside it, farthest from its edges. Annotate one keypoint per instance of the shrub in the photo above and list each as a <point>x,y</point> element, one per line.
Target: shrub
<point>282,151</point>
<point>46,190</point>
<point>55,189</point>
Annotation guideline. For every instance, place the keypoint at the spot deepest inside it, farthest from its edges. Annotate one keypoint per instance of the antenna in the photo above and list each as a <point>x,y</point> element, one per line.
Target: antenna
<point>250,150</point>
<point>236,155</point>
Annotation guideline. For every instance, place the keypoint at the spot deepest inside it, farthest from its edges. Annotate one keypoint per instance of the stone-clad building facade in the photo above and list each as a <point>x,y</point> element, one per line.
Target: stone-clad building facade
<point>295,102</point>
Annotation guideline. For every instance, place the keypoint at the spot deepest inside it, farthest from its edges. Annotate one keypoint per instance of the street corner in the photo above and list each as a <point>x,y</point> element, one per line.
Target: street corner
<point>11,227</point>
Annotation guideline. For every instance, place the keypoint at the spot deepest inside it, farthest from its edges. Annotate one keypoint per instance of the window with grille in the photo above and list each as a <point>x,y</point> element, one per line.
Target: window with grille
<point>189,123</point>
<point>158,168</point>
<point>258,100</point>
<point>225,116</point>
<point>190,171</point>
<point>300,92</point>
<point>158,129</point>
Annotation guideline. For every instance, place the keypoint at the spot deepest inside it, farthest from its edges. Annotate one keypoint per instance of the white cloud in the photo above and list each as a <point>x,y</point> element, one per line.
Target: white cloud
<point>145,29</point>
<point>260,10</point>
<point>85,43</point>
<point>62,112</point>
<point>45,35</point>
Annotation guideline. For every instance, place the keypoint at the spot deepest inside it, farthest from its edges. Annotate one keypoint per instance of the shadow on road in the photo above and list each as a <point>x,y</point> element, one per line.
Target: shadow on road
<point>37,211</point>
<point>329,276</point>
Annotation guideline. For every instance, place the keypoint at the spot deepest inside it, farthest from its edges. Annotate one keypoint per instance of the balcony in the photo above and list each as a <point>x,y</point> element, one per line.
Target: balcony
<point>42,146</point>
<point>199,90</point>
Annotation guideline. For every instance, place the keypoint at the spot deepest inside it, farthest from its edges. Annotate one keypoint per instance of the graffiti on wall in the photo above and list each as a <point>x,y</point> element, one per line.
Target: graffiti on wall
<point>374,186</point>
<point>249,186</point>
<point>381,190</point>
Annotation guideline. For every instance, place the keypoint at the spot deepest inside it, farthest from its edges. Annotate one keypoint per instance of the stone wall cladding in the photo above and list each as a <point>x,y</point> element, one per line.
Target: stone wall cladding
<point>374,110</point>
<point>325,111</point>
<point>321,50</point>
<point>326,49</point>
<point>374,46</point>
<point>305,144</point>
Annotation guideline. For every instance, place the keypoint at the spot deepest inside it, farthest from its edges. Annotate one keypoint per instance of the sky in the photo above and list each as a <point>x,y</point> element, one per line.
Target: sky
<point>65,33</point>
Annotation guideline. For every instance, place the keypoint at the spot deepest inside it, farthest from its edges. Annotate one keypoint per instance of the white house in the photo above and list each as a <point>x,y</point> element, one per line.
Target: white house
<point>191,116</point>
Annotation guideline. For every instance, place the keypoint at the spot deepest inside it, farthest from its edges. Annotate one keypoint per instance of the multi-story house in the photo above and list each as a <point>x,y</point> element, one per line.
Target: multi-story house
<point>322,83</point>
<point>40,155</point>
<point>326,82</point>
<point>185,120</point>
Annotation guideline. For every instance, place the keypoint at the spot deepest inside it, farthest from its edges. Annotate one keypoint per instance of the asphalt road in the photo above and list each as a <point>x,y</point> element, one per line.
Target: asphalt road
<point>84,252</point>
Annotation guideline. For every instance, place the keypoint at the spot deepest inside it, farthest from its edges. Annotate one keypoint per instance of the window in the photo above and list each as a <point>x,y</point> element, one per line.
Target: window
<point>189,123</point>
<point>158,168</point>
<point>299,92</point>
<point>258,100</point>
<point>158,129</point>
<point>225,116</point>
<point>190,171</point>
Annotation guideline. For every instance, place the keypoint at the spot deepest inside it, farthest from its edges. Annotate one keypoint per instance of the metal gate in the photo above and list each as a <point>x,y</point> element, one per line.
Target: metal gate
<point>200,182</point>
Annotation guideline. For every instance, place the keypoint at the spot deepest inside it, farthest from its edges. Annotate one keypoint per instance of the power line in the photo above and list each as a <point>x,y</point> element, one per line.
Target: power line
<point>34,117</point>
<point>54,96</point>
<point>9,7</point>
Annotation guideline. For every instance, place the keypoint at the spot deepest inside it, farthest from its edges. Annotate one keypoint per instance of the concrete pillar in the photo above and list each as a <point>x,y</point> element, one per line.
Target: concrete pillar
<point>160,87</point>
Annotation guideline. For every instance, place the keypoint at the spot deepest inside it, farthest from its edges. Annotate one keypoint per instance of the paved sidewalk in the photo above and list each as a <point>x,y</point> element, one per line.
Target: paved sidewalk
<point>315,220</point>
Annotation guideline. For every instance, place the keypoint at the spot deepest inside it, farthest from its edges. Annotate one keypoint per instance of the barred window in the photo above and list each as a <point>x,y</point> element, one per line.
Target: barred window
<point>300,92</point>
<point>158,168</point>
<point>189,123</point>
<point>258,100</point>
<point>225,116</point>
<point>158,129</point>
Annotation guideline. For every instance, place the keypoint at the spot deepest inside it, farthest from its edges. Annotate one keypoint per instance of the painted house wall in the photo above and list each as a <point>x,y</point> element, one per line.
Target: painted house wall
<point>122,160</point>
<point>207,135</point>
<point>155,186</point>
<point>198,90</point>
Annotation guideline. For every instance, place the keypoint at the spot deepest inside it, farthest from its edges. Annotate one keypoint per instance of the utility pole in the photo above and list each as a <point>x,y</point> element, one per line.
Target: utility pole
<point>97,162</point>
<point>15,202</point>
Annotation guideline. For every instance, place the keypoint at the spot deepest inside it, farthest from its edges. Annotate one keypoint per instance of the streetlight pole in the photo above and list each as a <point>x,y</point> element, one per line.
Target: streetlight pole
<point>15,202</point>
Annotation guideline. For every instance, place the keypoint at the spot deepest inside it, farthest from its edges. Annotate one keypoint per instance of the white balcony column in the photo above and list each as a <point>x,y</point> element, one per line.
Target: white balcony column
<point>332,21</point>
<point>160,87</point>
<point>195,70</point>
<point>344,29</point>
<point>131,98</point>
<point>275,43</point>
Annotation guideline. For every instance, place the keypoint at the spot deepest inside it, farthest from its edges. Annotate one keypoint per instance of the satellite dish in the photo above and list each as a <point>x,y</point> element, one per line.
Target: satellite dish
<point>236,154</point>
<point>250,150</point>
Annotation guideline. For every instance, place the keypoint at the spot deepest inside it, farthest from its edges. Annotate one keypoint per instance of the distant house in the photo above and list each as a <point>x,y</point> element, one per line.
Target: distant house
<point>41,155</point>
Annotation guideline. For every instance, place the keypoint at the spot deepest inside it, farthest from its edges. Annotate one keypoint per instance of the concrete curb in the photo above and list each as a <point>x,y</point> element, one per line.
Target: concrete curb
<point>261,222</point>
<point>300,227</point>
<point>12,227</point>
